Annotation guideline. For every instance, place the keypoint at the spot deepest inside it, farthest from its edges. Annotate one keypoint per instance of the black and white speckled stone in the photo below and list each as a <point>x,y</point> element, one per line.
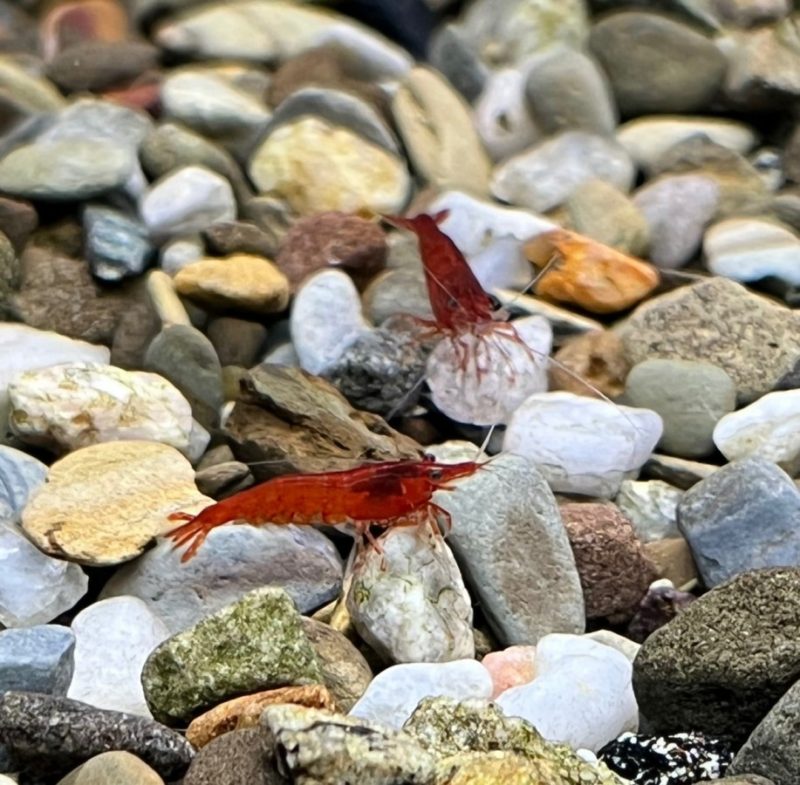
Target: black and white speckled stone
<point>679,759</point>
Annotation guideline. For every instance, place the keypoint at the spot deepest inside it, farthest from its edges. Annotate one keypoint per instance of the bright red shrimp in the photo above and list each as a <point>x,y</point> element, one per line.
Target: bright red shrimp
<point>458,301</point>
<point>386,494</point>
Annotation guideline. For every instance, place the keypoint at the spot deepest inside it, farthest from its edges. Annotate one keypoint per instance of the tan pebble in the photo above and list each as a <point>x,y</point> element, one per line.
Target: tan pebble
<point>117,767</point>
<point>673,560</point>
<point>592,361</point>
<point>589,274</point>
<point>243,282</point>
<point>103,504</point>
<point>246,711</point>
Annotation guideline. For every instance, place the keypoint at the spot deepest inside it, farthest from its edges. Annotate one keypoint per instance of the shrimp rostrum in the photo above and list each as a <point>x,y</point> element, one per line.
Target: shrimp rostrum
<point>384,495</point>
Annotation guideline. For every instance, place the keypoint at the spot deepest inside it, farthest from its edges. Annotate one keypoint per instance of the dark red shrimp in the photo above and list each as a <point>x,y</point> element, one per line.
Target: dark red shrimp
<point>386,494</point>
<point>459,303</point>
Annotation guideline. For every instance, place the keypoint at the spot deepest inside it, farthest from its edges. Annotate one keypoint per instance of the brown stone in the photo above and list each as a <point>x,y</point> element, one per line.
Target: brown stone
<point>236,341</point>
<point>230,237</point>
<point>332,239</point>
<point>245,712</point>
<point>673,560</point>
<point>345,671</point>
<point>287,420</point>
<point>75,21</point>
<point>241,757</point>
<point>612,566</point>
<point>18,220</point>
<point>597,359</point>
<point>98,65</point>
<point>589,274</point>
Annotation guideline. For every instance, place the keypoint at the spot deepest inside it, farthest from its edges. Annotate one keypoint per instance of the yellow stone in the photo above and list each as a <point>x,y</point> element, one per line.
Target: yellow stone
<point>315,166</point>
<point>241,282</point>
<point>103,504</point>
<point>246,711</point>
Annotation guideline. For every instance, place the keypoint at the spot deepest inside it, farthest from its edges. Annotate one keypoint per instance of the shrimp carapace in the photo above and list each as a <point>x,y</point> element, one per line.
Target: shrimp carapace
<point>385,494</point>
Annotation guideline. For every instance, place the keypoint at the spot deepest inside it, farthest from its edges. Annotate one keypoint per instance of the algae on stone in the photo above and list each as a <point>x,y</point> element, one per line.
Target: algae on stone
<point>254,644</point>
<point>450,729</point>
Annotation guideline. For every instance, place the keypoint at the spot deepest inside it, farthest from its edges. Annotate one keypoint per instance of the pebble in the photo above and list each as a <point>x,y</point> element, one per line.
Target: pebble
<point>66,169</point>
<point>316,166</point>
<point>395,692</point>
<point>690,397</point>
<point>245,712</point>
<point>225,238</point>
<point>116,245</point>
<point>619,642</point>
<point>510,667</point>
<point>208,103</point>
<point>236,341</point>
<point>502,117</point>
<point>242,282</point>
<point>482,377</point>
<point>37,659</point>
<point>395,292</point>
<point>104,504</point>
<point>251,645</point>
<point>763,429</point>
<point>613,569</point>
<point>679,757</point>
<point>20,476</point>
<point>581,696</point>
<point>683,677</point>
<point>326,320</point>
<point>176,254</point>
<point>582,445</point>
<point>47,736</point>
<point>113,638</point>
<point>656,63</point>
<point>34,588</point>
<point>117,766</point>
<point>567,90</point>
<point>673,560</point>
<point>234,758</point>
<point>72,405</point>
<point>514,552</point>
<point>595,277</point>
<point>749,249</point>
<point>410,603</point>
<point>602,212</point>
<point>772,748</point>
<point>436,127</point>
<point>549,173</point>
<point>187,200</point>
<point>662,603</point>
<point>677,209</point>
<point>647,139</point>
<point>743,517</point>
<point>651,506</point>
<point>234,561</point>
<point>332,239</point>
<point>451,53</point>
<point>18,221</point>
<point>722,323</point>
<point>588,362</point>
<point>677,471</point>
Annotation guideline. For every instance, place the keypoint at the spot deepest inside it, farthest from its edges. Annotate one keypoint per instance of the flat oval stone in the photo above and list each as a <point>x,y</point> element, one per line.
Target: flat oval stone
<point>241,282</point>
<point>548,174</point>
<point>118,766</point>
<point>105,503</point>
<point>316,166</point>
<point>582,445</point>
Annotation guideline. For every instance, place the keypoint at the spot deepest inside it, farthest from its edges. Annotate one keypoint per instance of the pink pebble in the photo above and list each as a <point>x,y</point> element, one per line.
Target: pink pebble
<point>510,667</point>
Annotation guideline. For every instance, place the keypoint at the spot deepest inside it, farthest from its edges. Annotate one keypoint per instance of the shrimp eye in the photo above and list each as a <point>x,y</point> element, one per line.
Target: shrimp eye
<point>495,302</point>
<point>436,474</point>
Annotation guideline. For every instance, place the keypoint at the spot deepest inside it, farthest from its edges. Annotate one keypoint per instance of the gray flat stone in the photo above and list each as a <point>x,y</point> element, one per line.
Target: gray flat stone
<point>37,659</point>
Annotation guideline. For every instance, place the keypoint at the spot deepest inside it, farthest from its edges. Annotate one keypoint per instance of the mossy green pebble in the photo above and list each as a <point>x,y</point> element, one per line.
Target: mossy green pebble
<point>254,644</point>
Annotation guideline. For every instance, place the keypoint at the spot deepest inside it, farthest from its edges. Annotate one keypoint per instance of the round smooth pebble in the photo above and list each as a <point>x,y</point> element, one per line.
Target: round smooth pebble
<point>482,378</point>
<point>651,506</point>
<point>677,209</point>
<point>582,445</point>
<point>410,603</point>
<point>240,282</point>
<point>395,692</point>
<point>326,318</point>
<point>510,667</point>
<point>104,504</point>
<point>548,174</point>
<point>74,405</point>
<point>117,766</point>
<point>690,397</point>
<point>186,201</point>
<point>233,561</point>
<point>113,638</point>
<point>315,166</point>
<point>582,694</point>
<point>749,249</point>
<point>768,428</point>
<point>34,587</point>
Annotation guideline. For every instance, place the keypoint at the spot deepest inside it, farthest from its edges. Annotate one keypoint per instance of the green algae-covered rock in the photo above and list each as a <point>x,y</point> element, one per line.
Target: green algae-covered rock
<point>519,755</point>
<point>254,644</point>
